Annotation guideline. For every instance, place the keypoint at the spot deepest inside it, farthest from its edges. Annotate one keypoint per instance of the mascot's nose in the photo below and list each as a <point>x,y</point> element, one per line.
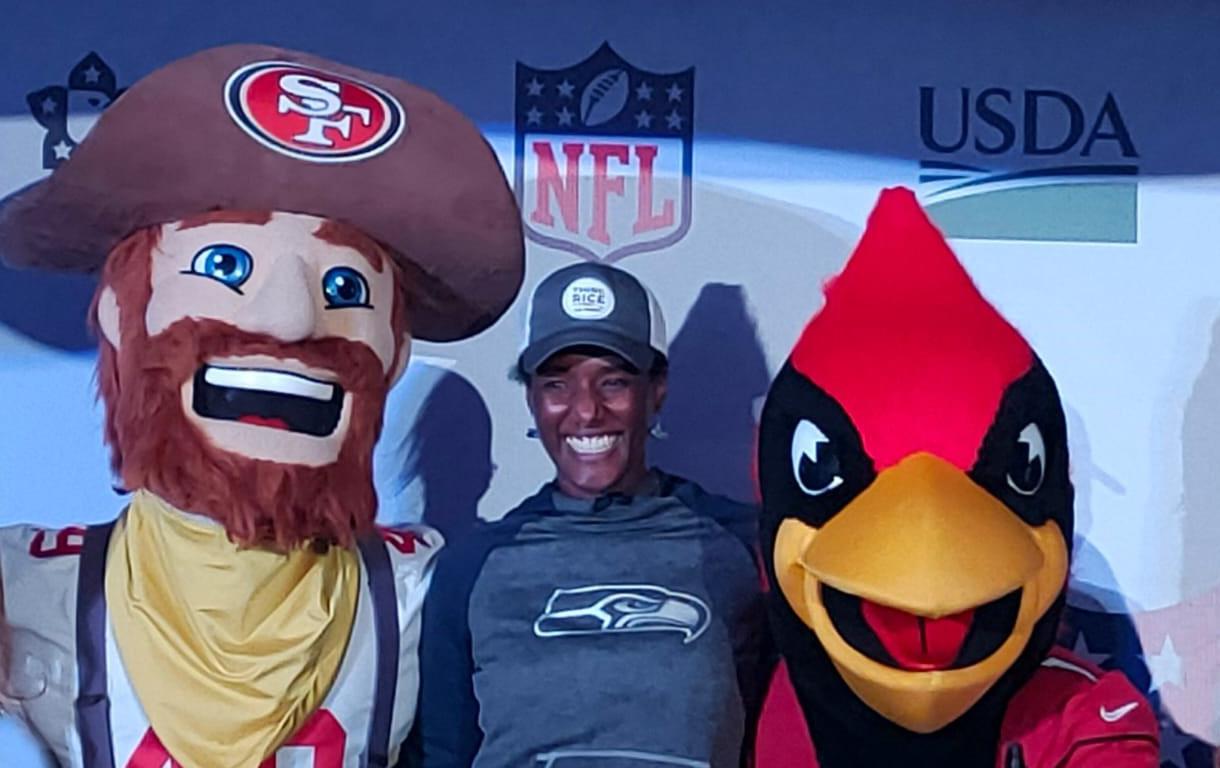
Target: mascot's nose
<point>284,306</point>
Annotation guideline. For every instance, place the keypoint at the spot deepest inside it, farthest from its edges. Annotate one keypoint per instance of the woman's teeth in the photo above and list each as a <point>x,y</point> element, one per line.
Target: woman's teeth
<point>592,444</point>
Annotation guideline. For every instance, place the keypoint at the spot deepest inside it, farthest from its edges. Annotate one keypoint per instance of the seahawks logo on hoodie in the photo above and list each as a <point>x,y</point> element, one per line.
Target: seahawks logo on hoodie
<point>613,608</point>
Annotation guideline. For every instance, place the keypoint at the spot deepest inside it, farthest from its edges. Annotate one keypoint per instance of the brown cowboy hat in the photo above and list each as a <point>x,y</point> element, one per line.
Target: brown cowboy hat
<point>250,127</point>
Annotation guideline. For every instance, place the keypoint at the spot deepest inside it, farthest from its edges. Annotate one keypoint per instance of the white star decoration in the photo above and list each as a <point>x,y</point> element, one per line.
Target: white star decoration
<point>62,150</point>
<point>643,92</point>
<point>1166,666</point>
<point>48,106</point>
<point>674,92</point>
<point>565,89</point>
<point>533,117</point>
<point>565,116</point>
<point>673,120</point>
<point>533,87</point>
<point>643,120</point>
<point>92,74</point>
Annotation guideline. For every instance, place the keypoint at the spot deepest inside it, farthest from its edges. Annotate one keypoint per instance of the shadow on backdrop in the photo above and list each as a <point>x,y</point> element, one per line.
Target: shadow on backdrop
<point>448,451</point>
<point>1102,591</point>
<point>1196,622</point>
<point>49,308</point>
<point>1201,481</point>
<point>717,373</point>
<point>1098,624</point>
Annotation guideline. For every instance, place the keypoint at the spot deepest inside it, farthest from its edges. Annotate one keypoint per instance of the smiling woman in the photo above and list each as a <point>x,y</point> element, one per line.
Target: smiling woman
<point>593,410</point>
<point>615,578</point>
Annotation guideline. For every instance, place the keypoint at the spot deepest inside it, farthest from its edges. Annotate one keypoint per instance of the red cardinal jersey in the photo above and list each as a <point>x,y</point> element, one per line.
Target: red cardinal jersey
<point>1070,714</point>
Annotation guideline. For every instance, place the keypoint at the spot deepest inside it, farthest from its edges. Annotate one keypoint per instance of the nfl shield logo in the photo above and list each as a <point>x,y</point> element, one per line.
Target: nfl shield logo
<point>604,156</point>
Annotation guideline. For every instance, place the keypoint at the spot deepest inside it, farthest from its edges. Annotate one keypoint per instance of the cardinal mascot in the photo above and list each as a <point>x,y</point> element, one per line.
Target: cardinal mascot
<point>272,230</point>
<point>917,528</point>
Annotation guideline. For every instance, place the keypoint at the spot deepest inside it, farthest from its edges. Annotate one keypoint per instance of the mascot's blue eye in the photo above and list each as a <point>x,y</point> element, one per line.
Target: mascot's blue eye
<point>227,264</point>
<point>345,287</point>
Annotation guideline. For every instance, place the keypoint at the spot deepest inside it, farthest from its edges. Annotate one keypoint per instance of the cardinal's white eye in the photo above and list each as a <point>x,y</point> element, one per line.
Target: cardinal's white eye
<point>814,465</point>
<point>1027,467</point>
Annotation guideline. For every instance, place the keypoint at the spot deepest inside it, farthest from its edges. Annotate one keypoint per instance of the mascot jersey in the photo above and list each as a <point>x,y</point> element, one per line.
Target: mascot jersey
<point>917,523</point>
<point>58,615</point>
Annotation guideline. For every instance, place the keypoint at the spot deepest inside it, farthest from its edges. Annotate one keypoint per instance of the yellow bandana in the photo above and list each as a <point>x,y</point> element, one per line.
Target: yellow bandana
<point>229,650</point>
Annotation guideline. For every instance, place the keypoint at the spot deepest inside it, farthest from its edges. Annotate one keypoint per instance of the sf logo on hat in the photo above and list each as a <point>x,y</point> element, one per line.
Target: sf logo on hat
<point>587,298</point>
<point>312,115</point>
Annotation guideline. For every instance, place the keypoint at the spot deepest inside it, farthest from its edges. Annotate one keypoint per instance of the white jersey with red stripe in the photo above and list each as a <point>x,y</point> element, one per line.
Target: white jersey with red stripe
<point>39,572</point>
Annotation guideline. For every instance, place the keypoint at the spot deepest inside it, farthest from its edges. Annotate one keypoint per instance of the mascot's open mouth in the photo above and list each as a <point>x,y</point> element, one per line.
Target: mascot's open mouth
<point>903,640</point>
<point>268,398</point>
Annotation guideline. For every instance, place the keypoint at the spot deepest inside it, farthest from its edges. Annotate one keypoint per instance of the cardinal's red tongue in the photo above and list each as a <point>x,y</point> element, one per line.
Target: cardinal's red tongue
<point>915,642</point>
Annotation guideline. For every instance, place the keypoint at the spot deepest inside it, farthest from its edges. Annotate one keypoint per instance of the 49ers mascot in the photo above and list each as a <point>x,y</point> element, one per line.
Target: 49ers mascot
<point>272,229</point>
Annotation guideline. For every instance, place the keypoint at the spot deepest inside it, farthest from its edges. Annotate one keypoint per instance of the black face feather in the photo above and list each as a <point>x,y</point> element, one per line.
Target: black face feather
<point>1033,484</point>
<point>810,493</point>
<point>1022,461</point>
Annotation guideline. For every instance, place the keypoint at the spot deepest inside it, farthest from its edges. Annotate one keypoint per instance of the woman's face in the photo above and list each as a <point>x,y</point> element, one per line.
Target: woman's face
<point>593,413</point>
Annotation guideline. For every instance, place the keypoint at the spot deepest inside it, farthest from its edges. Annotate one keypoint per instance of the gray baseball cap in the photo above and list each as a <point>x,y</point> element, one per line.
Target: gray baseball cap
<point>592,304</point>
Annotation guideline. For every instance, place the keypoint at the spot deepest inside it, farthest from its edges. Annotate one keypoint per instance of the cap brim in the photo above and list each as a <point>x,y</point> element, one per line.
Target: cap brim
<point>639,355</point>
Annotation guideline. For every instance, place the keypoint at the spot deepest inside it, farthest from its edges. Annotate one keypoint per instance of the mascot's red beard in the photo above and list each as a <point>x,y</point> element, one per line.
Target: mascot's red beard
<point>156,446</point>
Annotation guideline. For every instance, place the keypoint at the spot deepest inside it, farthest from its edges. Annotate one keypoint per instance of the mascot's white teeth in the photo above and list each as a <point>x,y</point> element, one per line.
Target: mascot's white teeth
<point>592,444</point>
<point>269,381</point>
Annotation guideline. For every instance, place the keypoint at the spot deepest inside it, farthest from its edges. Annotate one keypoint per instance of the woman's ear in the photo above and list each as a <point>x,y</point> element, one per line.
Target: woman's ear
<point>108,316</point>
<point>529,400</point>
<point>660,387</point>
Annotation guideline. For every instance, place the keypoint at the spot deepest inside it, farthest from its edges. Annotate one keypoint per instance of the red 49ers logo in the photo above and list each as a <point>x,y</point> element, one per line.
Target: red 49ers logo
<point>66,541</point>
<point>402,540</point>
<point>311,114</point>
<point>319,744</point>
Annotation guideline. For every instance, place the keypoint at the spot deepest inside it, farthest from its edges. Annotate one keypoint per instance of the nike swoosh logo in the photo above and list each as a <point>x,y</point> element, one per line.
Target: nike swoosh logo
<point>1114,715</point>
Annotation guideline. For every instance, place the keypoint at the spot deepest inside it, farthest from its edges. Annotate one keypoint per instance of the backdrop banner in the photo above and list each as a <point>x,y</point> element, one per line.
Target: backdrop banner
<point>727,155</point>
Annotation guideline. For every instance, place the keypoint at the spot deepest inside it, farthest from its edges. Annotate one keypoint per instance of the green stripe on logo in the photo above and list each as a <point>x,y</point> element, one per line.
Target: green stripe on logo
<point>1090,213</point>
